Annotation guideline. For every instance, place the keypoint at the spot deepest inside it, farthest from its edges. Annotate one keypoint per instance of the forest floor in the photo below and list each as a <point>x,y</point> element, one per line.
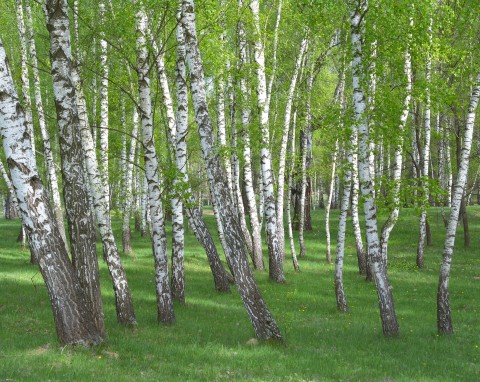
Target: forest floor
<point>212,337</point>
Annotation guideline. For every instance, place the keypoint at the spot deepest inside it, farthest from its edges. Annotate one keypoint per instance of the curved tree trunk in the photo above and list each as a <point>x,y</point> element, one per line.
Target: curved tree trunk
<point>444,316</point>
<point>75,321</point>
<point>261,318</point>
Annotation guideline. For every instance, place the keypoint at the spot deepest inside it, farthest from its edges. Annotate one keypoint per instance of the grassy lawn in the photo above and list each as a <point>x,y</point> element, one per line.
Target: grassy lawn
<point>210,340</point>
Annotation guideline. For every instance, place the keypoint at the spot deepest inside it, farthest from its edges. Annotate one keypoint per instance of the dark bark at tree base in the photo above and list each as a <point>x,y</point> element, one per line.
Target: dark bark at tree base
<point>444,315</point>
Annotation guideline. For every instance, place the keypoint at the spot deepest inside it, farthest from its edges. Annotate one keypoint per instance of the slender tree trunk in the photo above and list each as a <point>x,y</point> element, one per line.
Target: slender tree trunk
<point>398,155</point>
<point>52,178</point>
<point>384,292</point>
<point>274,248</point>
<point>261,318</point>
<point>357,231</point>
<point>426,161</point>
<point>123,297</point>
<point>75,321</point>
<point>444,316</point>
<point>291,168</point>
<point>257,255</point>
<point>328,254</point>
<point>165,312</point>
<point>80,220</point>
<point>283,145</point>
<point>11,207</point>
<point>104,124</point>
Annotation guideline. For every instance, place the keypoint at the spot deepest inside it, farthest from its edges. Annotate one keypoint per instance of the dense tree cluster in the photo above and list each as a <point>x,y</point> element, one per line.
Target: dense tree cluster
<point>147,110</point>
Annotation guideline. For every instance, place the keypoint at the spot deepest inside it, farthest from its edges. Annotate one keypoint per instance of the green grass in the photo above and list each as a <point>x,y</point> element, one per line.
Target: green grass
<point>209,341</point>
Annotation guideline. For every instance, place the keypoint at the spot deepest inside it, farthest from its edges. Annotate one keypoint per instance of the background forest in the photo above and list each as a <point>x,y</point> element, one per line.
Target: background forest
<point>296,144</point>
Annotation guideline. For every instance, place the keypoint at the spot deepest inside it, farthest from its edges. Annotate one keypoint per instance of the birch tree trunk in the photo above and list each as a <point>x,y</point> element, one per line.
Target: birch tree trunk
<point>291,168</point>
<point>25,78</point>
<point>261,318</point>
<point>426,159</point>
<point>123,297</point>
<point>11,207</point>
<point>444,316</point>
<point>220,276</point>
<point>283,145</point>
<point>257,254</point>
<point>81,224</point>
<point>178,269</point>
<point>274,247</point>
<point>328,254</point>
<point>384,292</point>
<point>75,321</point>
<point>357,231</point>
<point>104,107</point>
<point>52,178</point>
<point>398,154</point>
<point>165,312</point>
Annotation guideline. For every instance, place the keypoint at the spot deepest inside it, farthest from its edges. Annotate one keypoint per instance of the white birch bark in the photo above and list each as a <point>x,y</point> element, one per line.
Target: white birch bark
<point>291,168</point>
<point>52,177</point>
<point>178,233</point>
<point>261,318</point>
<point>384,292</point>
<point>328,254</point>
<point>283,145</point>
<point>274,248</point>
<point>104,124</point>
<point>11,203</point>
<point>123,297</point>
<point>25,78</point>
<point>257,253</point>
<point>426,158</point>
<point>165,311</point>
<point>444,316</point>
<point>274,53</point>
<point>126,232</point>
<point>82,233</point>
<point>75,321</point>
<point>398,154</point>
<point>220,276</point>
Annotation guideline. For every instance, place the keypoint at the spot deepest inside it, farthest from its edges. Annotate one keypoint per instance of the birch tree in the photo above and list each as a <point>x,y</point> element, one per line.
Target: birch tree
<point>261,318</point>
<point>444,315</point>
<point>52,177</point>
<point>275,255</point>
<point>385,297</point>
<point>75,321</point>
<point>81,225</point>
<point>257,255</point>
<point>165,311</point>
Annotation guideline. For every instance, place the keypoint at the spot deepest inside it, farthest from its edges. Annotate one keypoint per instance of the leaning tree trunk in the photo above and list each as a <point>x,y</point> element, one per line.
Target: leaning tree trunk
<point>75,322</point>
<point>384,292</point>
<point>444,316</point>
<point>283,145</point>
<point>261,318</point>
<point>398,155</point>
<point>220,276</point>
<point>123,297</point>
<point>328,254</point>
<point>80,220</point>
<point>165,312</point>
<point>257,255</point>
<point>274,248</point>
